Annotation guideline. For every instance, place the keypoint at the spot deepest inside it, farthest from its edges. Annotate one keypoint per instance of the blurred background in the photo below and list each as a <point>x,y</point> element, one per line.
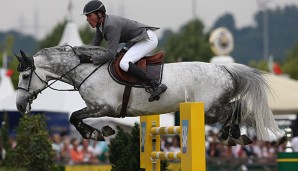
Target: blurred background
<point>265,36</point>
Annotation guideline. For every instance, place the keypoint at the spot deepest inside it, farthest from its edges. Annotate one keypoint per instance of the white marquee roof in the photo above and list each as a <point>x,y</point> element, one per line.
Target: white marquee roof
<point>71,35</point>
<point>284,94</point>
<point>6,86</point>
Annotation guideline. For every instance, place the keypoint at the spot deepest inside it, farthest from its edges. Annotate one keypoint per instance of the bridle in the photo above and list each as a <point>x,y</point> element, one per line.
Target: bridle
<point>33,95</point>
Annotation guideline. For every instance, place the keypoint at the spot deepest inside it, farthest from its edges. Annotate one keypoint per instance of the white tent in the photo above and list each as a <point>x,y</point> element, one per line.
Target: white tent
<point>284,94</point>
<point>6,86</point>
<point>71,35</point>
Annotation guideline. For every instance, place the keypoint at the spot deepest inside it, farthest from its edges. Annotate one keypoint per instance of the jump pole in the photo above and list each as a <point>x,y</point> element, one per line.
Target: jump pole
<point>192,139</point>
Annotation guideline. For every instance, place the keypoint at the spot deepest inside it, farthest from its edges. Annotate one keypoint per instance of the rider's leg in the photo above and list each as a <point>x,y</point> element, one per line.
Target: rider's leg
<point>153,83</point>
<point>135,53</point>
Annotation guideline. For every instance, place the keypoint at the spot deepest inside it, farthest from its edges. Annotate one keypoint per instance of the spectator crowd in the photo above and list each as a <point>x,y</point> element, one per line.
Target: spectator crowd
<point>216,149</point>
<point>74,151</point>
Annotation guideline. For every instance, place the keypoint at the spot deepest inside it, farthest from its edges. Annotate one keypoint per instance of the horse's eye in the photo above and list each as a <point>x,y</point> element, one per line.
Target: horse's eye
<point>25,76</point>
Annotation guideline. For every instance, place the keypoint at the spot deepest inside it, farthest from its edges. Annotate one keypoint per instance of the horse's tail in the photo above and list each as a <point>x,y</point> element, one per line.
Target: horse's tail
<point>251,87</point>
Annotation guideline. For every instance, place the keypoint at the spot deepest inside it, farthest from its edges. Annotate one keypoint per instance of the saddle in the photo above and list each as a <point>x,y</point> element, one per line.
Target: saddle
<point>153,65</point>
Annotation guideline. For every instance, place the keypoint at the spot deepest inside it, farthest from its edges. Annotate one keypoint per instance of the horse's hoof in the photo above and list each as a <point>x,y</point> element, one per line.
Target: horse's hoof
<point>222,135</point>
<point>229,142</point>
<point>235,131</point>
<point>96,135</point>
<point>243,140</point>
<point>153,98</point>
<point>107,131</point>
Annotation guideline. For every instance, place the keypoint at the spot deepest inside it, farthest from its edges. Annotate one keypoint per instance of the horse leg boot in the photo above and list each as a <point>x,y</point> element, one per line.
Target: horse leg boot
<point>157,88</point>
<point>86,131</point>
<point>235,125</point>
<point>230,133</point>
<point>235,128</point>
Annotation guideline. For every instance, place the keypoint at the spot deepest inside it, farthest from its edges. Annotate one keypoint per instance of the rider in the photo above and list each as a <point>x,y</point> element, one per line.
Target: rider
<point>115,30</point>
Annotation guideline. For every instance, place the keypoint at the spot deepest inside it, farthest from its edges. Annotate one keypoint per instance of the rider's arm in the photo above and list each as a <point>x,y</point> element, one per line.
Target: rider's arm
<point>113,36</point>
<point>98,38</point>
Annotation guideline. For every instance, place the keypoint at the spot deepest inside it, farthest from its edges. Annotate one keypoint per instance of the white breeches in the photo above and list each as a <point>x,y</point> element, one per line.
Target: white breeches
<point>139,50</point>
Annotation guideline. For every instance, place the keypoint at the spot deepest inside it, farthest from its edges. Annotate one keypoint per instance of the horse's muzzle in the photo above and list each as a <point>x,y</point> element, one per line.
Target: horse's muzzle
<point>21,108</point>
<point>24,107</point>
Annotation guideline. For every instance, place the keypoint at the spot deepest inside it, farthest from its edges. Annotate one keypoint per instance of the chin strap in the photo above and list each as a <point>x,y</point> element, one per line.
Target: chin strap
<point>99,18</point>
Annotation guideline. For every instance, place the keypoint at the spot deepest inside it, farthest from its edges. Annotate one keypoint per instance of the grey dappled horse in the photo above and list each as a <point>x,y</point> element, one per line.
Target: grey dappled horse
<point>233,94</point>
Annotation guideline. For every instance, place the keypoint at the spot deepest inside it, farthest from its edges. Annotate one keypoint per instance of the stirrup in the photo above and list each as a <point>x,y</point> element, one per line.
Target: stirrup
<point>148,88</point>
<point>156,92</point>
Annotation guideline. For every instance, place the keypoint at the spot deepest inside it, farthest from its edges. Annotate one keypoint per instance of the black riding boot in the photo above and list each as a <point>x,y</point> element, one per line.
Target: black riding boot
<point>157,88</point>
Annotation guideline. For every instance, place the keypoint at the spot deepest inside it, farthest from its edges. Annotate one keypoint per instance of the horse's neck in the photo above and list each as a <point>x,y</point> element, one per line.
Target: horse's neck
<point>55,67</point>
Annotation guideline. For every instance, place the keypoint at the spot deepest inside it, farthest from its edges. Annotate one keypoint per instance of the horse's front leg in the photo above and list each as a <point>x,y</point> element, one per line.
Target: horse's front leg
<point>87,131</point>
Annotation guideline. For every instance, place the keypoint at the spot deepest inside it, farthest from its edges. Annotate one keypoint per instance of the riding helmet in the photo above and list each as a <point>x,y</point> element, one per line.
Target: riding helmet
<point>93,6</point>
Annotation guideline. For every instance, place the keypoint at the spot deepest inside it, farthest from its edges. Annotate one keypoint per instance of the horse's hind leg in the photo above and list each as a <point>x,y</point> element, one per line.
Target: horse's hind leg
<point>86,130</point>
<point>230,132</point>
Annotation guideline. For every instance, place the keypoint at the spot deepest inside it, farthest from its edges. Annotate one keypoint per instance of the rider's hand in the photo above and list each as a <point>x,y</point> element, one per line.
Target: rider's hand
<point>85,58</point>
<point>99,60</point>
<point>96,59</point>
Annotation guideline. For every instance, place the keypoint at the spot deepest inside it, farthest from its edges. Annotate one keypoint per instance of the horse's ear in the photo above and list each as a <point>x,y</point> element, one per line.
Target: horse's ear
<point>19,58</point>
<point>23,54</point>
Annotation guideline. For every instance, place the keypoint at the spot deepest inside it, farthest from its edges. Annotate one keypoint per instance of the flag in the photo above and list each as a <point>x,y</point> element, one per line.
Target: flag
<point>9,73</point>
<point>276,69</point>
<point>273,66</point>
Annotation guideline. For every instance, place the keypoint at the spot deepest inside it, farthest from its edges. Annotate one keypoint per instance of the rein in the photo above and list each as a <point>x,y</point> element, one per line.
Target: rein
<point>34,94</point>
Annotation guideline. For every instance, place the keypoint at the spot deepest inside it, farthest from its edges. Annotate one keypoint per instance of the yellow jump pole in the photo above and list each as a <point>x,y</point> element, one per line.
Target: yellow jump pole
<point>149,143</point>
<point>192,122</point>
<point>192,137</point>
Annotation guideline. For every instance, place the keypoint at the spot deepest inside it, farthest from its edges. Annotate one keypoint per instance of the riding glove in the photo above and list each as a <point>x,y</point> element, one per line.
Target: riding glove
<point>99,59</point>
<point>84,58</point>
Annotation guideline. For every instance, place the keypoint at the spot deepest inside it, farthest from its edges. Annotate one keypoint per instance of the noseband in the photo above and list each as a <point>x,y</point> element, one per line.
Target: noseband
<point>34,94</point>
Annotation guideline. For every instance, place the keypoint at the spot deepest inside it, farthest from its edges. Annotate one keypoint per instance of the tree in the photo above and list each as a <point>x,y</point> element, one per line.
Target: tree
<point>53,38</point>
<point>189,44</point>
<point>4,132</point>
<point>261,65</point>
<point>290,64</point>
<point>249,41</point>
<point>87,34</point>
<point>7,47</point>
<point>122,153</point>
<point>125,151</point>
<point>33,149</point>
<point>227,21</point>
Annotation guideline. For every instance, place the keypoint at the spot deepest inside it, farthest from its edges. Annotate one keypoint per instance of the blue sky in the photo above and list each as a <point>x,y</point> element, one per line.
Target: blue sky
<point>166,14</point>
